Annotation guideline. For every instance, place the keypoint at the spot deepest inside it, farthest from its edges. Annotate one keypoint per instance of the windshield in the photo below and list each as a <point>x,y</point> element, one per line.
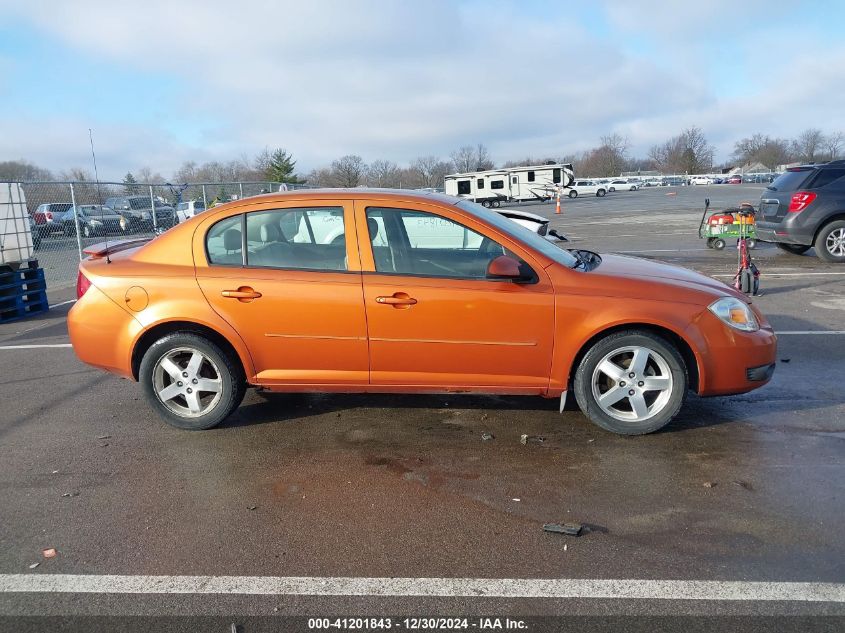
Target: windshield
<point>139,203</point>
<point>520,233</point>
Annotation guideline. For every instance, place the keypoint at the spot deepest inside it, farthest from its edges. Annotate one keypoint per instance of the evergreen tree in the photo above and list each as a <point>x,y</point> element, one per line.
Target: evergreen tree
<point>130,184</point>
<point>281,167</point>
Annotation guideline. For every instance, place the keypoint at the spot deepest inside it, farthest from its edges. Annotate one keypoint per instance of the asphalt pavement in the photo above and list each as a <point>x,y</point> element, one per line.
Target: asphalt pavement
<point>707,521</point>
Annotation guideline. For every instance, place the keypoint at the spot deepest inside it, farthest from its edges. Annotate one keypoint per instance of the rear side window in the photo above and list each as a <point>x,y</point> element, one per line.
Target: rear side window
<point>790,180</point>
<point>825,177</point>
<point>310,238</point>
<point>223,242</point>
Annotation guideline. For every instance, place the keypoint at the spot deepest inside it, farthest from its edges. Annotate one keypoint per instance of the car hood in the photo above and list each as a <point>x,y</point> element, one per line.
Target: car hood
<point>678,284</point>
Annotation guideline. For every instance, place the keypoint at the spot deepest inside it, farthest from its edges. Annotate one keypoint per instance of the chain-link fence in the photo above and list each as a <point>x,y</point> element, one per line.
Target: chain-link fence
<point>67,217</point>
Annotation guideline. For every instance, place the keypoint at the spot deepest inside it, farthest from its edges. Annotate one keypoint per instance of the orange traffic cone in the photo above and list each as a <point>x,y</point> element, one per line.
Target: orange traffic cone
<point>557,206</point>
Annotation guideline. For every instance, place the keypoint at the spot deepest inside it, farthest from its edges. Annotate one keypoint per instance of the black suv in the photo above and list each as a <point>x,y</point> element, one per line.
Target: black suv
<point>804,207</point>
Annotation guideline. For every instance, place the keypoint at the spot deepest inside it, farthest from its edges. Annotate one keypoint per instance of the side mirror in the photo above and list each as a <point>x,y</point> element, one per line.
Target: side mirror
<point>504,267</point>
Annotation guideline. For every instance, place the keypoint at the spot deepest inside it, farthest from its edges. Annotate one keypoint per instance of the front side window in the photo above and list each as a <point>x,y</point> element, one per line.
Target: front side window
<point>420,243</point>
<point>223,243</point>
<point>311,238</point>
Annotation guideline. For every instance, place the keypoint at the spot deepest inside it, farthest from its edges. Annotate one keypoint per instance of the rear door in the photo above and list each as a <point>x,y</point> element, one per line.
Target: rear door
<point>435,322</point>
<point>293,294</point>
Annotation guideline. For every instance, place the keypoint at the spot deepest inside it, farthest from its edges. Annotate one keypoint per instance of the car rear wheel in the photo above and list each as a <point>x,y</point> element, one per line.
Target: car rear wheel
<point>830,242</point>
<point>190,381</point>
<point>795,249</point>
<point>631,382</point>
<point>573,194</point>
<point>718,244</point>
<point>600,193</point>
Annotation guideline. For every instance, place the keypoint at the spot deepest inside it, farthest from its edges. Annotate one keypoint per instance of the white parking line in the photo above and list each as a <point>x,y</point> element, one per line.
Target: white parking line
<point>63,303</point>
<point>34,346</point>
<point>450,587</point>
<point>801,332</point>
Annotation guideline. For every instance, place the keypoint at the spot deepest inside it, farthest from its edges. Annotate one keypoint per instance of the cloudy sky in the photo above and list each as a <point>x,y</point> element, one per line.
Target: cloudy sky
<point>165,81</point>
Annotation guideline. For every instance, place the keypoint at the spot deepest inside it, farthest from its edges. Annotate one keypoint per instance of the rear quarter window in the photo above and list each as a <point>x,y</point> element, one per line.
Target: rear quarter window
<point>826,177</point>
<point>790,180</point>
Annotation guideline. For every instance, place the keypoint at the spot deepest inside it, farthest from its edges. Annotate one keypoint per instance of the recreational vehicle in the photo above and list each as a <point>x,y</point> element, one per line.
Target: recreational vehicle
<point>494,186</point>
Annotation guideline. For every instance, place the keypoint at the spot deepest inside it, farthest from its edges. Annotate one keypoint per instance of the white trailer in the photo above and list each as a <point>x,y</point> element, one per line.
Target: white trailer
<point>511,184</point>
<point>16,239</point>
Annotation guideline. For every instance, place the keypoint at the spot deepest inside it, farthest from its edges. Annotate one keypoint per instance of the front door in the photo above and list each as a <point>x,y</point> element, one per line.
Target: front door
<point>285,280</point>
<point>435,321</point>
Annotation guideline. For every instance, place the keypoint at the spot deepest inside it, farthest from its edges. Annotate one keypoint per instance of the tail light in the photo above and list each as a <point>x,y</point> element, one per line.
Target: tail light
<point>82,284</point>
<point>48,215</point>
<point>800,201</point>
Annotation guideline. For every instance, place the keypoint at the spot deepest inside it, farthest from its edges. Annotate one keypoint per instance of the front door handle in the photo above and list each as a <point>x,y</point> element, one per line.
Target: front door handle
<point>244,293</point>
<point>398,300</point>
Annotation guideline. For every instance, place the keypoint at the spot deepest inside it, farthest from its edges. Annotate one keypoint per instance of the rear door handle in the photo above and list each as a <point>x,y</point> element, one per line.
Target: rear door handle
<point>244,293</point>
<point>398,299</point>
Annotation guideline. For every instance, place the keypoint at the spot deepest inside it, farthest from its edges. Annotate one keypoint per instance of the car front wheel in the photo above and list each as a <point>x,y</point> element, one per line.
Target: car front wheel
<point>190,381</point>
<point>830,242</point>
<point>631,382</point>
<point>573,194</point>
<point>600,193</point>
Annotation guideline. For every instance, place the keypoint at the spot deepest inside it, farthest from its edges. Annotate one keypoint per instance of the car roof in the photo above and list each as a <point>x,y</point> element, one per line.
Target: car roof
<point>358,193</point>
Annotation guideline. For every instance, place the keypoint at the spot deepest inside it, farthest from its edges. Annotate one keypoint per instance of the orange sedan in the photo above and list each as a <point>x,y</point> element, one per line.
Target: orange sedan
<point>396,291</point>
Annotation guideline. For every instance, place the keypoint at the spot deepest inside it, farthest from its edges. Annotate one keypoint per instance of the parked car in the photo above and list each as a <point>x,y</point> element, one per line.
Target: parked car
<point>48,217</point>
<point>94,219</point>
<point>36,236</point>
<point>805,207</point>
<point>701,180</point>
<point>622,185</point>
<point>735,180</point>
<point>188,209</point>
<point>138,212</point>
<point>586,188</point>
<point>674,181</point>
<point>201,312</point>
<point>533,222</point>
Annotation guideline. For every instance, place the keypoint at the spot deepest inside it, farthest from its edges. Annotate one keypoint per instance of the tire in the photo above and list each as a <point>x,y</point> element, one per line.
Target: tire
<point>497,204</point>
<point>86,230</point>
<point>573,194</point>
<point>663,364</point>
<point>709,242</point>
<point>830,242</point>
<point>600,193</point>
<point>751,243</point>
<point>485,204</point>
<point>217,367</point>
<point>611,189</point>
<point>718,244</point>
<point>794,249</point>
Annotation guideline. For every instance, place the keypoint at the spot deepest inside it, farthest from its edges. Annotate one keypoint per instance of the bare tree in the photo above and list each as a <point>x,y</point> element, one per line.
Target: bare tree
<point>483,161</point>
<point>349,171</point>
<point>383,173</point>
<point>763,149</point>
<point>687,153</point>
<point>429,171</point>
<point>22,170</point>
<point>833,144</point>
<point>76,173</point>
<point>464,159</point>
<point>808,144</point>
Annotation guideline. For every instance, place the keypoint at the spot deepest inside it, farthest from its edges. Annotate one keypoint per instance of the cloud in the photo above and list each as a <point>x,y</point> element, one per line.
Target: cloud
<point>396,80</point>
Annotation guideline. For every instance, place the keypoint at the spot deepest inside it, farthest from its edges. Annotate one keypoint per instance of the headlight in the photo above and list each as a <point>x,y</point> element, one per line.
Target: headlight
<point>735,313</point>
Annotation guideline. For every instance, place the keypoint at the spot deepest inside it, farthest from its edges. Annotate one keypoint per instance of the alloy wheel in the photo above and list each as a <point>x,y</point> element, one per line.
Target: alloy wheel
<point>835,243</point>
<point>187,382</point>
<point>632,383</point>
